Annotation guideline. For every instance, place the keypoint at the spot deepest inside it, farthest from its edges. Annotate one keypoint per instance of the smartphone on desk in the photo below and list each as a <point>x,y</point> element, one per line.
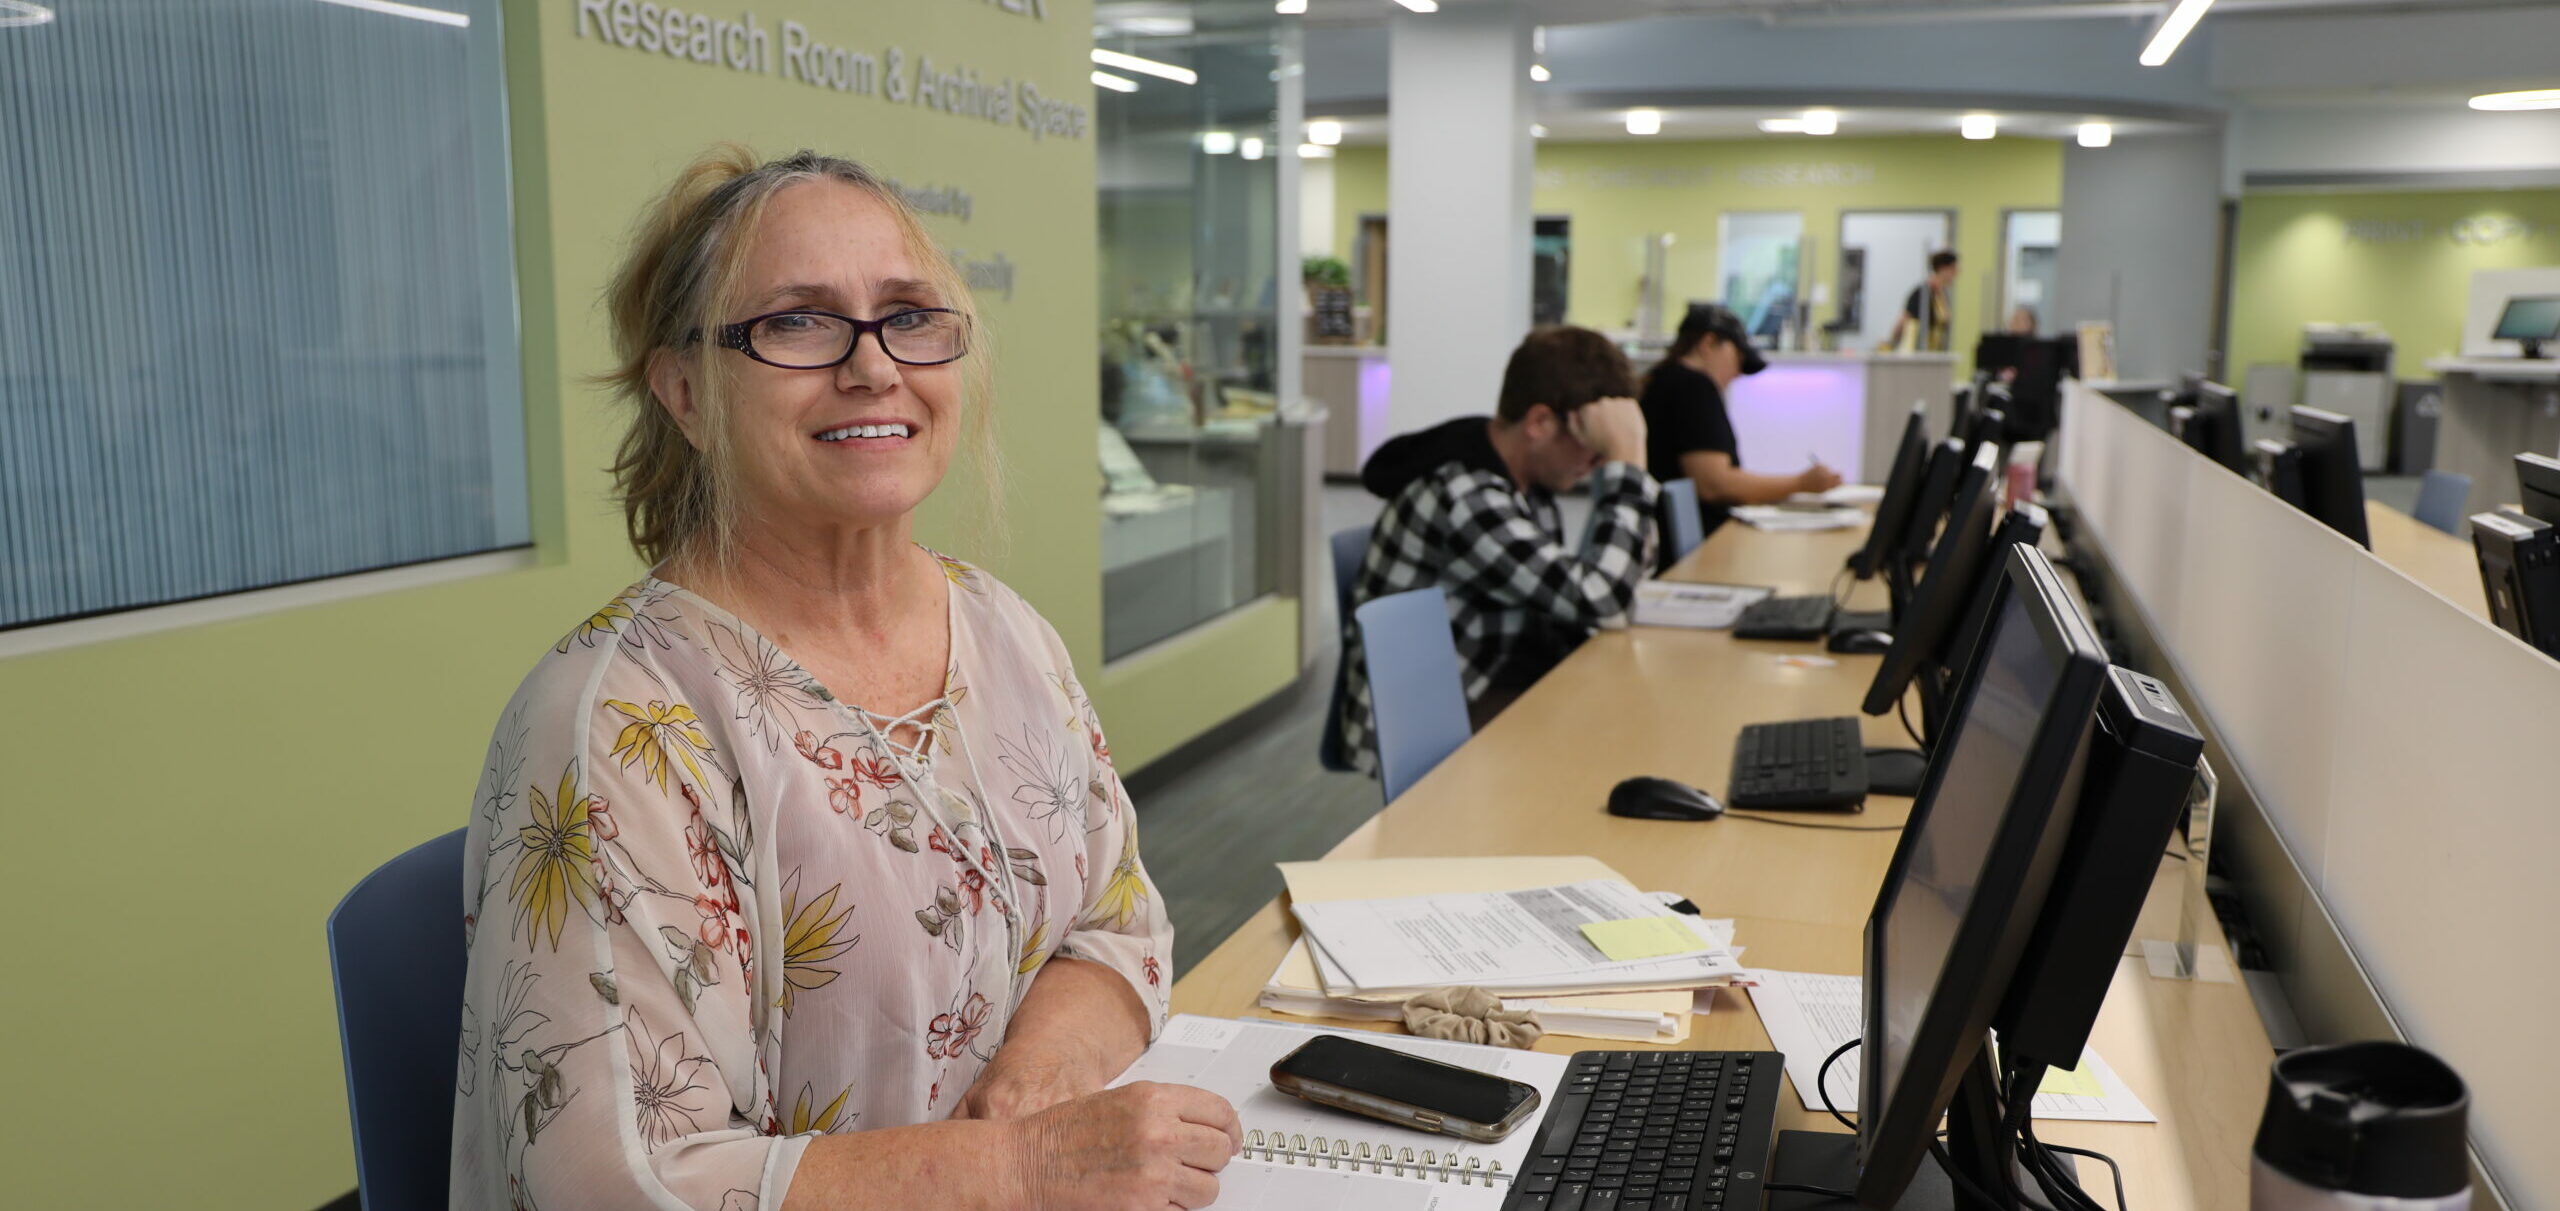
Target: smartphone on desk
<point>1406,1090</point>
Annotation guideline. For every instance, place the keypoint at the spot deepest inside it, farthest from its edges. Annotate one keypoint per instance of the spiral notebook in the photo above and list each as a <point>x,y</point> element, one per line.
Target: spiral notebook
<point>1299,1155</point>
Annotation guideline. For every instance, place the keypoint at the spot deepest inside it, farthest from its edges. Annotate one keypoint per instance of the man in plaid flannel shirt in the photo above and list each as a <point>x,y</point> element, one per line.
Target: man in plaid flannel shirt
<point>1471,508</point>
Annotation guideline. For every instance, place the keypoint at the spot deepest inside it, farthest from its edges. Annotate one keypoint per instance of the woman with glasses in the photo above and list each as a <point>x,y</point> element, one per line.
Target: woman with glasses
<point>799,876</point>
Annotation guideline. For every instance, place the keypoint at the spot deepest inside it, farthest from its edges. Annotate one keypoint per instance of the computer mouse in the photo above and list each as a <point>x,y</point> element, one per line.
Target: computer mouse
<point>1860,643</point>
<point>1662,799</point>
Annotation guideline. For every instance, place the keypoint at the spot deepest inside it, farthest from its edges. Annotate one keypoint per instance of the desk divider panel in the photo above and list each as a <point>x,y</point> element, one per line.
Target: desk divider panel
<point>2402,751</point>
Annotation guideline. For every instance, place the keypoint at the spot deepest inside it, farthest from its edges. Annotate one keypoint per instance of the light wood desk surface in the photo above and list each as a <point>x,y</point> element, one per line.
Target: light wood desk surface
<point>1670,702</point>
<point>2440,561</point>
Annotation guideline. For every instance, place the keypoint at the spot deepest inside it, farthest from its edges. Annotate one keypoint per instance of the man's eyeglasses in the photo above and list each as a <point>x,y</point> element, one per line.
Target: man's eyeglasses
<point>820,340</point>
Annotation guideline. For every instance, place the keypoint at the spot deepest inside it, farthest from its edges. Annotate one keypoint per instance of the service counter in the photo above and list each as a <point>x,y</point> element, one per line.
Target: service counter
<point>2494,409</point>
<point>1846,408</point>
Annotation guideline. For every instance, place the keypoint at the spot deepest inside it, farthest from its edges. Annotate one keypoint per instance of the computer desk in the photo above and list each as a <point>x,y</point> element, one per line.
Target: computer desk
<point>2440,561</point>
<point>1669,702</point>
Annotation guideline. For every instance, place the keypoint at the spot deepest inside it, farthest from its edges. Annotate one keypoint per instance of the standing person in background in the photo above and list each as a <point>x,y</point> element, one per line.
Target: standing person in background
<point>1689,435</point>
<point>1928,320</point>
<point>1471,509</point>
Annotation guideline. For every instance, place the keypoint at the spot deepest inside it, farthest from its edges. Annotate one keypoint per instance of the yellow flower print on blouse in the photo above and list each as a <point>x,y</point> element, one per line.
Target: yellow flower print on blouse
<point>1124,894</point>
<point>556,860</point>
<point>654,732</point>
<point>810,938</point>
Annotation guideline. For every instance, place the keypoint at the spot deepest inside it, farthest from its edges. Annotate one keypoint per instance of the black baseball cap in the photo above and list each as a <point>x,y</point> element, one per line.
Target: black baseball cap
<point>1704,318</point>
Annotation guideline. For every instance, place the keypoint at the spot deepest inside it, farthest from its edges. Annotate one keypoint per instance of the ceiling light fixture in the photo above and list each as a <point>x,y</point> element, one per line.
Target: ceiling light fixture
<point>1782,126</point>
<point>1821,122</point>
<point>1118,84</point>
<point>1252,147</point>
<point>2097,134</point>
<point>1537,130</point>
<point>1218,142</point>
<point>2531,98</point>
<point>411,11</point>
<point>1644,121</point>
<point>1145,67</point>
<point>1421,6</point>
<point>1324,131</point>
<point>1314,151</point>
<point>1290,8</point>
<point>1538,72</point>
<point>1981,126</point>
<point>22,12</point>
<point>2172,30</point>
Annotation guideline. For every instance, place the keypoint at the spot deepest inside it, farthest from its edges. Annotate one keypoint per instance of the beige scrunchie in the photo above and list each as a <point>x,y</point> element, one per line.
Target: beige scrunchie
<point>1470,1015</point>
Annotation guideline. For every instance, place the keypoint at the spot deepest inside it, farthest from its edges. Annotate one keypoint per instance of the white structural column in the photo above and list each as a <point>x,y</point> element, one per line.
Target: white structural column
<point>1458,173</point>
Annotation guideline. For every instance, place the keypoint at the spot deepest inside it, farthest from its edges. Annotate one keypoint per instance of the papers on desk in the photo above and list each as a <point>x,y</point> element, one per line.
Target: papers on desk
<point>1809,1016</point>
<point>1845,494</point>
<point>1783,520</point>
<point>1527,942</point>
<point>1703,607</point>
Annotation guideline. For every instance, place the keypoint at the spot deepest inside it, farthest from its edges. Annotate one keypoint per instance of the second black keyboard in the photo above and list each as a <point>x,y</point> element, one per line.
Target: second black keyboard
<point>1799,764</point>
<point>1785,618</point>
<point>1654,1131</point>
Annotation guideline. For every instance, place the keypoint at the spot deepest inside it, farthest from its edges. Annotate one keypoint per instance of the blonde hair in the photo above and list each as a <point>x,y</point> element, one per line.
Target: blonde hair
<point>678,283</point>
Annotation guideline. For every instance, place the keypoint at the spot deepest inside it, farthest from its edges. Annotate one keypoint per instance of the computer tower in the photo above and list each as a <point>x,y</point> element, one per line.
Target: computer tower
<point>2138,761</point>
<point>2520,569</point>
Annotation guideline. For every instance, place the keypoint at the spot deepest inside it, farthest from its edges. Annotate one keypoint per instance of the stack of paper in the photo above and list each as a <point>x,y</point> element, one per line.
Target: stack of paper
<point>1785,520</point>
<point>1514,925</point>
<point>1845,494</point>
<point>1706,607</point>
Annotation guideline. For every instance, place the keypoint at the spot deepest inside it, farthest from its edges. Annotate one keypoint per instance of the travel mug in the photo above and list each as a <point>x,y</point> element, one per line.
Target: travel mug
<point>2361,1127</point>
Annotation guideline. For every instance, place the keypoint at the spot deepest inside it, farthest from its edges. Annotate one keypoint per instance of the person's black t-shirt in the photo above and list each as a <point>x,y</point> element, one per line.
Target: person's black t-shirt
<point>1684,414</point>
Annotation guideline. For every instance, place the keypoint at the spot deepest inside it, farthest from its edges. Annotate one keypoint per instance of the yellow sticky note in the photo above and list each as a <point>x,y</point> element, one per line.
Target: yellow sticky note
<point>1643,938</point>
<point>2078,1082</point>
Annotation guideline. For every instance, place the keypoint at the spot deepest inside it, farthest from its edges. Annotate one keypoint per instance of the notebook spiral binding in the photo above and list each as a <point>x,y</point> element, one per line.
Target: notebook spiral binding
<point>1293,1149</point>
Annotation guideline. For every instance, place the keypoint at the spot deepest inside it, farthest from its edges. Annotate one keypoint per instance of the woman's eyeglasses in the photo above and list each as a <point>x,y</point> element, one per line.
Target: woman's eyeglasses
<point>821,340</point>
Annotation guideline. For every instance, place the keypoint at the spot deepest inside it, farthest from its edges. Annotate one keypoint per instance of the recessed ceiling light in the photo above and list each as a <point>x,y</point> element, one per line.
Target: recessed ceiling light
<point>2531,98</point>
<point>1821,122</point>
<point>2097,134</point>
<point>1218,142</point>
<point>1290,8</point>
<point>1782,126</point>
<point>1252,147</point>
<point>1537,131</point>
<point>1118,84</point>
<point>1644,121</point>
<point>1324,131</point>
<point>1149,67</point>
<point>1421,6</point>
<point>1981,126</point>
<point>1314,151</point>
<point>1538,72</point>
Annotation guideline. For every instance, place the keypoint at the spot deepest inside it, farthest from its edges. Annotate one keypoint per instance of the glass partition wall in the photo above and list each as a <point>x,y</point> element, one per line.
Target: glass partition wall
<point>1191,442</point>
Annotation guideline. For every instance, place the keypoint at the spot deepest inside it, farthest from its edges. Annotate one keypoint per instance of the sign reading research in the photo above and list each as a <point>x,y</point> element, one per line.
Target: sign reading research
<point>748,45</point>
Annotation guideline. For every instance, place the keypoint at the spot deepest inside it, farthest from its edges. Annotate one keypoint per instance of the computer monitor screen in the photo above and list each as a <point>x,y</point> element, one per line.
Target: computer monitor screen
<point>1937,488</point>
<point>2538,477</point>
<point>2214,429</point>
<point>2022,526</point>
<point>1955,568</point>
<point>1901,492</point>
<point>1972,870</point>
<point>2533,320</point>
<point>2332,471</point>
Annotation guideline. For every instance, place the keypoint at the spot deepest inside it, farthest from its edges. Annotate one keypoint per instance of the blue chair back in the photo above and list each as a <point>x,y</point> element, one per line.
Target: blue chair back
<point>396,959</point>
<point>1349,546</point>
<point>1417,696</point>
<point>2441,497</point>
<point>1688,526</point>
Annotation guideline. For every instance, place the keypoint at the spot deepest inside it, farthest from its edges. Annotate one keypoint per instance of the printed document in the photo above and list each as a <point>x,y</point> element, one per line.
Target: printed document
<point>1529,938</point>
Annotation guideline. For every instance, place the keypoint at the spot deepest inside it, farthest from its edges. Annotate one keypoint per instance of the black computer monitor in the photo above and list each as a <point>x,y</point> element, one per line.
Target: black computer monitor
<point>2538,478</point>
<point>1989,424</point>
<point>1998,351</point>
<point>2519,558</point>
<point>2332,471</point>
<point>1955,567</point>
<point>2278,469</point>
<point>1960,901</point>
<point>1901,492</point>
<point>2533,320</point>
<point>2022,525</point>
<point>2213,427</point>
<point>1937,489</point>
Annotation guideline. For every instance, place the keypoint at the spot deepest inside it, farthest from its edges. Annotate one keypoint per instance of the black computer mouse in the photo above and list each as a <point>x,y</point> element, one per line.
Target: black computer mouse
<point>1860,643</point>
<point>1662,799</point>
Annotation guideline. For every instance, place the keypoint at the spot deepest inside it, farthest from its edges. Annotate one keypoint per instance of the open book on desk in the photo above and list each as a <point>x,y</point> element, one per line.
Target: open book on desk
<point>1299,1155</point>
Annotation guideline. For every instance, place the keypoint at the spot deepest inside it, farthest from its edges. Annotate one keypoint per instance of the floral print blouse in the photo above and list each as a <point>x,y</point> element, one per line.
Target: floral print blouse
<point>718,911</point>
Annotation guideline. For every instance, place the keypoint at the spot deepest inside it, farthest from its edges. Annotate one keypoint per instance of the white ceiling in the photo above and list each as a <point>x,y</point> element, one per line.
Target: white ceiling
<point>1727,122</point>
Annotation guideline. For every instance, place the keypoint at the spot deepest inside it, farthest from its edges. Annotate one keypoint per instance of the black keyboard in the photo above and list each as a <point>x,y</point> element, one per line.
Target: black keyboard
<point>1785,618</point>
<point>1655,1131</point>
<point>1799,764</point>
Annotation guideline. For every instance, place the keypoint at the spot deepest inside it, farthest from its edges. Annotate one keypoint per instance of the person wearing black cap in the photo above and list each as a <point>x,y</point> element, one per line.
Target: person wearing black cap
<point>1688,433</point>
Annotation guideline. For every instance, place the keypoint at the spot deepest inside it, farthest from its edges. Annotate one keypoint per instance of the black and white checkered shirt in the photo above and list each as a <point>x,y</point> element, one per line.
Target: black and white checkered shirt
<point>1520,596</point>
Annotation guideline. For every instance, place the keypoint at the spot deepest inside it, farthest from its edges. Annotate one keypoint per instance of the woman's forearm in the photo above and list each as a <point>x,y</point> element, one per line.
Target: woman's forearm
<point>963,1166</point>
<point>1083,1014</point>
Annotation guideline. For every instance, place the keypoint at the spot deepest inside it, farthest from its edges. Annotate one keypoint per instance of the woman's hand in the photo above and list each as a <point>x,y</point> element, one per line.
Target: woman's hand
<point>1021,1081</point>
<point>1141,1147</point>
<point>1817,478</point>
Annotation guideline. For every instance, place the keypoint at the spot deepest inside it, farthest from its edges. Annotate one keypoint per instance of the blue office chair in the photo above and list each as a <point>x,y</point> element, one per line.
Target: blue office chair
<point>1417,696</point>
<point>1688,527</point>
<point>396,959</point>
<point>1348,548</point>
<point>2441,497</point>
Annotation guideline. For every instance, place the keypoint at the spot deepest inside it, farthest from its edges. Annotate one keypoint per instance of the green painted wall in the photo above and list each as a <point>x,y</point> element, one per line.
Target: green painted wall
<point>193,802</point>
<point>2386,257</point>
<point>1617,192</point>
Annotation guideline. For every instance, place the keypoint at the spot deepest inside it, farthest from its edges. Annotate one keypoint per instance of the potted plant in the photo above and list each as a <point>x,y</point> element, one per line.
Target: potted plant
<point>1328,286</point>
